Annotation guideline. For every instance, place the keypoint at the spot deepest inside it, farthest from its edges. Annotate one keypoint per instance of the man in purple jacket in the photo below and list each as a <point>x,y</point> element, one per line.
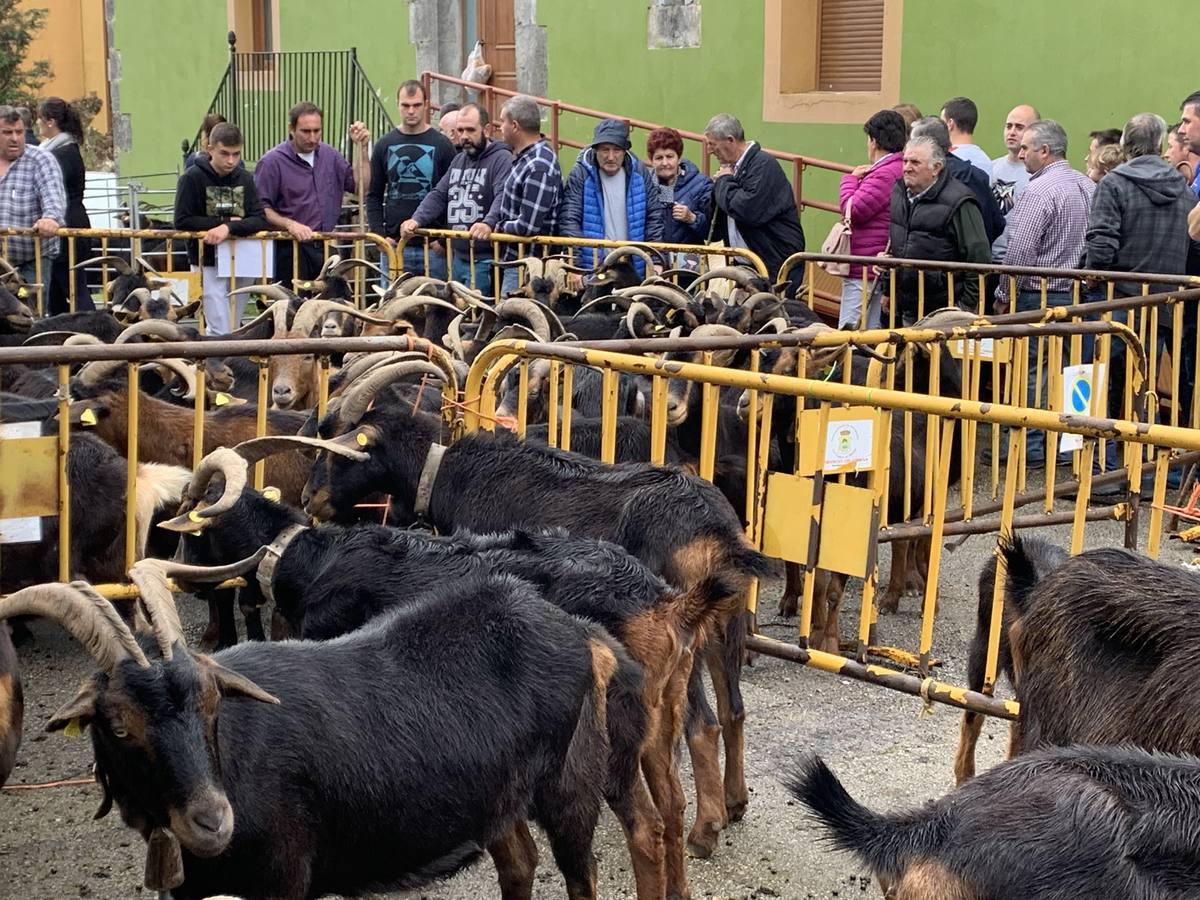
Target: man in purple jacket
<point>301,182</point>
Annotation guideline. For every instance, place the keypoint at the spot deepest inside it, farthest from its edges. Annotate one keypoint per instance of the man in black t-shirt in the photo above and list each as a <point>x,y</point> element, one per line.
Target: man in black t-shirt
<point>407,164</point>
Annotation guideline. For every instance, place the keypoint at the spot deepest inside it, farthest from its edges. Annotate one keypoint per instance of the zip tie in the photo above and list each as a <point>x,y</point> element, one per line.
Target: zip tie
<point>927,709</point>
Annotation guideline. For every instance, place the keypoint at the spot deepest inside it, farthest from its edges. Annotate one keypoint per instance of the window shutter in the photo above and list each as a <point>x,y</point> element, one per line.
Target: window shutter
<point>850,55</point>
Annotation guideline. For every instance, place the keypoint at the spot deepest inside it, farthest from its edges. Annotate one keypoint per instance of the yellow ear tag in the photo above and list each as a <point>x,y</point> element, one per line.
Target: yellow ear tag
<point>194,516</point>
<point>272,493</point>
<point>601,277</point>
<point>306,286</point>
<point>22,292</point>
<point>362,439</point>
<point>74,729</point>
<point>221,399</point>
<point>89,417</point>
<point>660,327</point>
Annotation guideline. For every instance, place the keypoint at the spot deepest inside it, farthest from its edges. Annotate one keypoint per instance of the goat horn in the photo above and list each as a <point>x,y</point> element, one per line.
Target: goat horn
<point>535,266</point>
<point>529,311</point>
<point>513,331</point>
<point>413,283</point>
<point>636,309</point>
<point>85,615</point>
<point>226,462</point>
<point>312,311</point>
<point>274,311</point>
<point>120,263</point>
<point>180,369</point>
<point>260,448</point>
<point>715,330</point>
<point>275,291</point>
<point>755,300</point>
<point>470,297</point>
<point>92,373</point>
<point>142,293</point>
<point>159,604</point>
<point>739,275</point>
<point>209,574</point>
<point>616,299</point>
<point>45,338</point>
<point>557,329</point>
<point>398,308</point>
<point>359,397</point>
<point>354,262</point>
<point>364,363</point>
<point>9,269</point>
<point>160,328</point>
<point>454,337</point>
<point>327,266</point>
<point>142,264</point>
<point>779,325</point>
<point>629,250</point>
<point>669,295</point>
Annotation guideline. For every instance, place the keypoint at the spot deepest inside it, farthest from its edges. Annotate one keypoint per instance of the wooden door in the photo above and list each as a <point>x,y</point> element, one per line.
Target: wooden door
<point>496,25</point>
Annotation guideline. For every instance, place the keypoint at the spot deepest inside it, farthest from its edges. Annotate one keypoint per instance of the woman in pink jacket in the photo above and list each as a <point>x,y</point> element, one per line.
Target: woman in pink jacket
<point>868,191</point>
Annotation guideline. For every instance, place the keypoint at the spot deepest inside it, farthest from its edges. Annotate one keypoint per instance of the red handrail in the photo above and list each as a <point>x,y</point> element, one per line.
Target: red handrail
<point>798,161</point>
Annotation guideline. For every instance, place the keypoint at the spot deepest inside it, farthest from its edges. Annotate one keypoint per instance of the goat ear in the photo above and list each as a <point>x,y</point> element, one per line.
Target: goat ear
<point>187,309</point>
<point>230,683</point>
<point>77,713</point>
<point>87,413</point>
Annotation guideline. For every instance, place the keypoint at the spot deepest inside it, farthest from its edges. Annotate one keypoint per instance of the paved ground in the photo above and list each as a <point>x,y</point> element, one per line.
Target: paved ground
<point>888,753</point>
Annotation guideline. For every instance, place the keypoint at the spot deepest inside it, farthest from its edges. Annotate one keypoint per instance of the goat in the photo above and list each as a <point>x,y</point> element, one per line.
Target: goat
<point>586,393</point>
<point>131,276</point>
<point>1064,823</point>
<point>1044,558</point>
<point>16,318</point>
<point>413,759</point>
<point>678,525</point>
<point>317,581</point>
<point>1106,649</point>
<point>12,704</point>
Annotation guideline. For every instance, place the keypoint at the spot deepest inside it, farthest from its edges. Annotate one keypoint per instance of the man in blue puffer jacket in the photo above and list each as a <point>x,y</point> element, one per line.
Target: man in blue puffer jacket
<point>610,194</point>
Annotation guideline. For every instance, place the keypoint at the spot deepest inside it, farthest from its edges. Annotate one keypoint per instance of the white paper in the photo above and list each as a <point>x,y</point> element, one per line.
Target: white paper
<point>849,443</point>
<point>1079,398</point>
<point>254,259</point>
<point>27,529</point>
<point>984,348</point>
<point>182,287</point>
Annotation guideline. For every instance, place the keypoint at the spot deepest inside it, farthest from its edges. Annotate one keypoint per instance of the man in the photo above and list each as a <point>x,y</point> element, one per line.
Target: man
<point>1189,129</point>
<point>31,195</point>
<point>448,121</point>
<point>466,194</point>
<point>217,196</point>
<point>1009,175</point>
<point>961,115</point>
<point>755,206</point>
<point>934,217</point>
<point>1101,138</point>
<point>406,164</point>
<point>1046,231</point>
<point>1138,223</point>
<point>301,183</point>
<point>970,175</point>
<point>1179,154</point>
<point>610,194</point>
<point>529,202</point>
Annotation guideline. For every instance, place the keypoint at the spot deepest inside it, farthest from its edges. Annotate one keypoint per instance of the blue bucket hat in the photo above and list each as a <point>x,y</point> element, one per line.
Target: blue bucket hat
<point>611,131</point>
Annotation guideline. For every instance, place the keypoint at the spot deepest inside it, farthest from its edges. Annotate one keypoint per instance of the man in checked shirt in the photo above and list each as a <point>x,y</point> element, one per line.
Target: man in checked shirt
<point>31,194</point>
<point>529,203</point>
<point>1046,229</point>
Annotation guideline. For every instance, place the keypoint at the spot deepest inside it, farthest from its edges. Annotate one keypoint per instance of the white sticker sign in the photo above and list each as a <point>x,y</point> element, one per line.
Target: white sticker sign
<point>27,529</point>
<point>1080,398</point>
<point>849,444</point>
<point>982,348</point>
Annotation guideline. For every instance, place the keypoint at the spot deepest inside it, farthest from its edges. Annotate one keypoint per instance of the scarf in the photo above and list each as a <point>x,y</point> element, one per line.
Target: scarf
<point>59,140</point>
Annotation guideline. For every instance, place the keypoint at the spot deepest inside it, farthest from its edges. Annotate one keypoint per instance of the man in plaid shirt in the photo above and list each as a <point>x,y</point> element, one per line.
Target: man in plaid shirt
<point>1046,230</point>
<point>528,204</point>
<point>31,194</point>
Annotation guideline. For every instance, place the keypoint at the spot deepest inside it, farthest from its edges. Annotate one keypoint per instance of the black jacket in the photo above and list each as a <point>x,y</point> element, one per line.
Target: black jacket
<point>204,200</point>
<point>70,160</point>
<point>974,178</point>
<point>760,199</point>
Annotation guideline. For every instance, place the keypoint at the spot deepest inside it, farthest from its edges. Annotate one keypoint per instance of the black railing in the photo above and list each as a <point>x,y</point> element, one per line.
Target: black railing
<point>258,89</point>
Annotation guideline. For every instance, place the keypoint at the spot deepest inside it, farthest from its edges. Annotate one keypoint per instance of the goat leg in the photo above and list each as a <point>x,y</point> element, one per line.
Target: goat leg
<point>724,666</point>
<point>515,855</point>
<point>251,615</point>
<point>703,733</point>
<point>793,587</point>
<point>898,579</point>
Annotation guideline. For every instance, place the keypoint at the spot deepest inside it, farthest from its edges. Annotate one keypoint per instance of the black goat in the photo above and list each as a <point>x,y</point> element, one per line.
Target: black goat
<point>587,393</point>
<point>678,525</point>
<point>419,740</point>
<point>1063,823</point>
<point>1044,558</point>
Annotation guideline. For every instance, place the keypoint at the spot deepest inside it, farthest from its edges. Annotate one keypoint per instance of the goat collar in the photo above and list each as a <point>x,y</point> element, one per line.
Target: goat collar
<point>270,561</point>
<point>429,474</point>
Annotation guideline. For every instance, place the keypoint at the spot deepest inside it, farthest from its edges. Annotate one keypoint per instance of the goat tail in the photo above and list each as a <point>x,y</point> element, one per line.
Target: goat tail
<point>1028,562</point>
<point>884,843</point>
<point>748,561</point>
<point>159,488</point>
<point>588,750</point>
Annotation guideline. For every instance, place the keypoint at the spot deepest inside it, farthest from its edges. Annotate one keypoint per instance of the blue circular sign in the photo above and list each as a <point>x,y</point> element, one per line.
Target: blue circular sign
<point>1081,394</point>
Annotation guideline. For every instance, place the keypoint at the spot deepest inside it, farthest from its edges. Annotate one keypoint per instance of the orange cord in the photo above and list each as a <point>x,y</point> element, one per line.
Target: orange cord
<point>70,782</point>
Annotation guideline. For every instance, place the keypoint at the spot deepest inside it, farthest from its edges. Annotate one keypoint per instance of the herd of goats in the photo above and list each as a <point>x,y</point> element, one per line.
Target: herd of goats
<point>525,637</point>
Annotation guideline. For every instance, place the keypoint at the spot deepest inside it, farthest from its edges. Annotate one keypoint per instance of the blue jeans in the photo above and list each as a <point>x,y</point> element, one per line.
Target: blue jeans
<point>511,281</point>
<point>414,261</point>
<point>460,271</point>
<point>28,271</point>
<point>1035,440</point>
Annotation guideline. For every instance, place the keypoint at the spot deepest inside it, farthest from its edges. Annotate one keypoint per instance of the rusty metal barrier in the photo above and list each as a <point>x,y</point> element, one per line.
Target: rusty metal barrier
<point>823,541</point>
<point>166,251</point>
<point>702,256</point>
<point>42,477</point>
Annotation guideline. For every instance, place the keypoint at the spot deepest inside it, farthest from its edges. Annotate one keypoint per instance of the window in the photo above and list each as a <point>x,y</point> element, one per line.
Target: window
<point>256,24</point>
<point>830,60</point>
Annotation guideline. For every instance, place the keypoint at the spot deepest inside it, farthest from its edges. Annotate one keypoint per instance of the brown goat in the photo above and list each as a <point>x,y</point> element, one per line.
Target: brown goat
<point>165,432</point>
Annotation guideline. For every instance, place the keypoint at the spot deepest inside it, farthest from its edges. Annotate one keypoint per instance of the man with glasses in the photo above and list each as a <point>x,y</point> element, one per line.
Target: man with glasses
<point>31,196</point>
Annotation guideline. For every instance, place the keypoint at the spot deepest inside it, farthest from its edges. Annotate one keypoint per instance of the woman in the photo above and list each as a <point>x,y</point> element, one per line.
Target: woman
<point>867,193</point>
<point>62,135</point>
<point>683,189</point>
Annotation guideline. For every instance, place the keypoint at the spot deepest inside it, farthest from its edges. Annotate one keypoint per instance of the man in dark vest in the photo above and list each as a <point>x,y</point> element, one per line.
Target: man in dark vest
<point>934,217</point>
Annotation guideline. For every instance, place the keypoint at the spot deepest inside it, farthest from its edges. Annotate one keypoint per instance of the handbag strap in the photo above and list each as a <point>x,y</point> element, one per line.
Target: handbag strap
<point>846,217</point>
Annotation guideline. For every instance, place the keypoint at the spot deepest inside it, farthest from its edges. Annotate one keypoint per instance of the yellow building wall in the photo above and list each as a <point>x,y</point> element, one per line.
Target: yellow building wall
<point>73,40</point>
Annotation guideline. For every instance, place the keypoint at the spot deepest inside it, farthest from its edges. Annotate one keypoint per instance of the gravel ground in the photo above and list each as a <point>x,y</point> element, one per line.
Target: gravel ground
<point>887,751</point>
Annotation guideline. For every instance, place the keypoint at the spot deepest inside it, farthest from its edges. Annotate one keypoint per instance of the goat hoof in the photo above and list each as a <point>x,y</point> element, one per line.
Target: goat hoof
<point>890,604</point>
<point>208,641</point>
<point>788,606</point>
<point>831,644</point>
<point>702,840</point>
<point>736,810</point>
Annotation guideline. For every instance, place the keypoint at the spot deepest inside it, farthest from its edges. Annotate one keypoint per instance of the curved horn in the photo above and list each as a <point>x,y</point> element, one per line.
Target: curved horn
<point>628,250</point>
<point>755,300</point>
<point>413,283</point>
<point>715,330</point>
<point>779,325</point>
<point>277,312</point>
<point>453,339</point>
<point>160,328</point>
<point>159,604</point>
<point>557,329</point>
<point>739,275</point>
<point>400,307</point>
<point>275,291</point>
<point>92,373</point>
<point>346,265</point>
<point>359,397</point>
<point>470,297</point>
<point>326,267</point>
<point>233,466</point>
<point>9,269</point>
<point>636,309</point>
<point>120,263</point>
<point>260,448</point>
<point>670,295</point>
<point>209,574</point>
<point>312,311</point>
<point>85,615</point>
<point>179,368</point>
<point>529,311</point>
<point>534,265</point>
<point>615,299</point>
<point>45,338</point>
<point>141,293</point>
